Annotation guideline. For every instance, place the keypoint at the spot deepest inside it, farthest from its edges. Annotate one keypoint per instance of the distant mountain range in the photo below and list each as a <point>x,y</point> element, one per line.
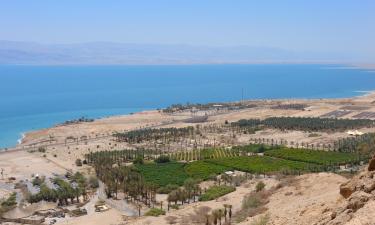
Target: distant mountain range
<point>100,53</point>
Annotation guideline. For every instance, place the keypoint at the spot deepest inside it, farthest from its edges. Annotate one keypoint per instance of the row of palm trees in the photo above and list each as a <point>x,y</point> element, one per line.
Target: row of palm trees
<point>306,123</point>
<point>364,144</point>
<point>122,156</point>
<point>138,136</point>
<point>294,144</point>
<point>126,179</point>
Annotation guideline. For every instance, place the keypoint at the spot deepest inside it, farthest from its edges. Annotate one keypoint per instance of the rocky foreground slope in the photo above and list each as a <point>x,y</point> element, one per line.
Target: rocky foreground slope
<point>323,199</point>
<point>359,204</point>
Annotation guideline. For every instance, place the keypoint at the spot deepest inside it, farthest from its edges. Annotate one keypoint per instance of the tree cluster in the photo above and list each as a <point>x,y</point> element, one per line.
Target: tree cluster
<point>64,192</point>
<point>306,123</point>
<point>137,136</point>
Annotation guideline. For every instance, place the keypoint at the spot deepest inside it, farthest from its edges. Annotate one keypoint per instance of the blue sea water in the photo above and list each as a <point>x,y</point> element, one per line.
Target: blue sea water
<point>34,97</point>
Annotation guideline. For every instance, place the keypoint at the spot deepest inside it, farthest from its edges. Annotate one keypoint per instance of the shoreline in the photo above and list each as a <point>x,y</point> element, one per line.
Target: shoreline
<point>362,94</point>
<point>24,134</point>
<point>15,136</point>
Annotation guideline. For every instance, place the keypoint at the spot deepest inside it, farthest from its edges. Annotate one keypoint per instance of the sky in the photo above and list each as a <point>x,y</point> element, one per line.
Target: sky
<point>346,26</point>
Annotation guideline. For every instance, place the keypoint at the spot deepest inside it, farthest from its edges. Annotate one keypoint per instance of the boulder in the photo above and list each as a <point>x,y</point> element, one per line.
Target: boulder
<point>346,189</point>
<point>371,165</point>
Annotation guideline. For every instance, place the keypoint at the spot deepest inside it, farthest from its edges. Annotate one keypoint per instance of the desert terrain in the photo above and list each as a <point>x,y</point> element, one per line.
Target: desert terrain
<point>306,199</point>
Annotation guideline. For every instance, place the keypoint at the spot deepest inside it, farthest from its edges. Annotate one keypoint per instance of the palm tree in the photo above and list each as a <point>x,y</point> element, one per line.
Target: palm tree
<point>225,211</point>
<point>139,206</point>
<point>173,197</point>
<point>230,212</point>
<point>190,186</point>
<point>215,215</point>
<point>207,219</point>
<point>220,215</point>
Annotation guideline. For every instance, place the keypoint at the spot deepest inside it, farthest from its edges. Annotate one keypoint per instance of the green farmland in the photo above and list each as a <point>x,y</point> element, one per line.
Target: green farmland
<point>260,164</point>
<point>313,156</point>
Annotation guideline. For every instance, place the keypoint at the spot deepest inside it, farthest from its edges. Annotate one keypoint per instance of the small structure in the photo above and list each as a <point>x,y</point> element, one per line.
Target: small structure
<point>229,173</point>
<point>354,132</point>
<point>101,208</point>
<point>78,212</point>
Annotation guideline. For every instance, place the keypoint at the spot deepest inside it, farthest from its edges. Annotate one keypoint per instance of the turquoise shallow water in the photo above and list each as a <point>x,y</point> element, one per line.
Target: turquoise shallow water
<point>34,97</point>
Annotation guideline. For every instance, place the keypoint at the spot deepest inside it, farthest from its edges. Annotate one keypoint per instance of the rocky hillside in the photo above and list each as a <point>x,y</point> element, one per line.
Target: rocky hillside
<point>322,199</point>
<point>359,204</point>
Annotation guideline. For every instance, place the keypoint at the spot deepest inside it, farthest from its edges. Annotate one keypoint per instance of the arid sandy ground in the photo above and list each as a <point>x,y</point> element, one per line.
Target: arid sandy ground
<point>22,165</point>
<point>111,217</point>
<point>306,200</point>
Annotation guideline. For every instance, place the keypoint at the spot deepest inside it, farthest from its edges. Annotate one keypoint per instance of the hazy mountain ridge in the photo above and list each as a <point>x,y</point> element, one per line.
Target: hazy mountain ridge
<point>118,53</point>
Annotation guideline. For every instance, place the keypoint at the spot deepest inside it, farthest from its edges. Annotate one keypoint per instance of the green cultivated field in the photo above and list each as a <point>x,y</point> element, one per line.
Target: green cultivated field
<point>163,174</point>
<point>221,160</point>
<point>203,170</point>
<point>176,173</point>
<point>259,164</point>
<point>312,156</point>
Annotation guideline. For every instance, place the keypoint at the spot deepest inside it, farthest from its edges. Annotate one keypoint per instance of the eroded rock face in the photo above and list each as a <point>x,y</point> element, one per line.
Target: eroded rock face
<point>357,200</point>
<point>340,218</point>
<point>358,191</point>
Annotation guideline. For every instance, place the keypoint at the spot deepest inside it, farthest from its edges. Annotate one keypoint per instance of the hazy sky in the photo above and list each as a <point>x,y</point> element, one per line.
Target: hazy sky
<point>318,25</point>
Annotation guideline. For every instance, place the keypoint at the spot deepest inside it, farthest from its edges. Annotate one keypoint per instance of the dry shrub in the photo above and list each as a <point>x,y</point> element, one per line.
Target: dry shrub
<point>253,204</point>
<point>263,220</point>
<point>198,217</point>
<point>286,181</point>
<point>260,186</point>
<point>171,219</point>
